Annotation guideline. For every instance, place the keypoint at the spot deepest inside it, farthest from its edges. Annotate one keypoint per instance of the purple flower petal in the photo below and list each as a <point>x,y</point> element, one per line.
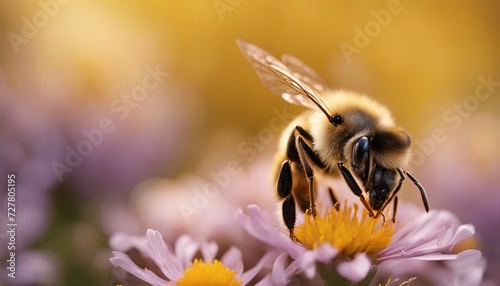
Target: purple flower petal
<point>472,274</point>
<point>233,259</point>
<point>281,275</point>
<point>123,242</point>
<point>250,274</point>
<point>356,269</point>
<point>463,232</point>
<point>185,249</point>
<point>209,250</point>
<point>325,253</point>
<point>278,274</point>
<point>307,263</point>
<point>260,225</point>
<point>433,257</point>
<point>465,259</point>
<point>266,281</point>
<point>428,234</point>
<point>155,248</point>
<point>123,261</point>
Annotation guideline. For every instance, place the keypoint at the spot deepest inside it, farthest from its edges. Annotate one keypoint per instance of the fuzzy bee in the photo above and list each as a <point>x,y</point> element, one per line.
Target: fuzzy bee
<point>343,134</point>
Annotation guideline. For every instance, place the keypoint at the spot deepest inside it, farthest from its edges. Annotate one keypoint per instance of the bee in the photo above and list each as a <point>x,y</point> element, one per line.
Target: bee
<point>343,134</point>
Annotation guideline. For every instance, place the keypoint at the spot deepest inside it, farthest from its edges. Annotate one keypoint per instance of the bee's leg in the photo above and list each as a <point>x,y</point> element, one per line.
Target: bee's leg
<point>306,154</point>
<point>422,191</point>
<point>309,153</point>
<point>354,186</point>
<point>291,150</point>
<point>333,198</point>
<point>395,193</point>
<point>394,209</point>
<point>284,187</point>
<point>380,213</point>
<point>285,180</point>
<point>297,153</point>
<point>289,215</point>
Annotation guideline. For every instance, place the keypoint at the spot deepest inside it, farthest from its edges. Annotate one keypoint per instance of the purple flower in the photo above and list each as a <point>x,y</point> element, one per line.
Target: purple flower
<point>346,246</point>
<point>179,266</point>
<point>469,167</point>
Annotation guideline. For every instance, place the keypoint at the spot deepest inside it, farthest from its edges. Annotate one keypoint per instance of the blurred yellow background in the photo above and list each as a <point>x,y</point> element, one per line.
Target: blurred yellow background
<point>63,65</point>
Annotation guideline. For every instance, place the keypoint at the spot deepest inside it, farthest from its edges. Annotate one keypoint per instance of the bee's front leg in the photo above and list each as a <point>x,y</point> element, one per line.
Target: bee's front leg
<point>351,182</point>
<point>306,154</point>
<point>394,209</point>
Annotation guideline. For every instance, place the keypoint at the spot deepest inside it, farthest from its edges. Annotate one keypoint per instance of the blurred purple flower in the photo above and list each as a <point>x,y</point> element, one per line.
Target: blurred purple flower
<point>179,267</point>
<point>150,138</point>
<point>29,140</point>
<point>41,119</point>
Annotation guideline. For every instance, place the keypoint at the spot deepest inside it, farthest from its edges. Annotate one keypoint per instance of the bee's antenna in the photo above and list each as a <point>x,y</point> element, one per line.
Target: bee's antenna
<point>425,200</point>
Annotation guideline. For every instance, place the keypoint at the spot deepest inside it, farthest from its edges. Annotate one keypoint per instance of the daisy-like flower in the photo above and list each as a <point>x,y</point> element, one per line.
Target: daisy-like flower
<point>344,246</point>
<point>180,267</point>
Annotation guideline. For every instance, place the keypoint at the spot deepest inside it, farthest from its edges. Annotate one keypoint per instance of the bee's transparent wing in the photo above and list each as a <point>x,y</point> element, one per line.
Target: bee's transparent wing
<point>305,73</point>
<point>279,79</point>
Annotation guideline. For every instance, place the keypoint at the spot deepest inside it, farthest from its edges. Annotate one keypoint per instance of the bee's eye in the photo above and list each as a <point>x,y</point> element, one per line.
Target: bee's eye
<point>336,119</point>
<point>361,157</point>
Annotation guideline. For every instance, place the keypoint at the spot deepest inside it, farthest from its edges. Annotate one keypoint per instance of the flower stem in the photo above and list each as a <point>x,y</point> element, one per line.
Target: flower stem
<point>330,276</point>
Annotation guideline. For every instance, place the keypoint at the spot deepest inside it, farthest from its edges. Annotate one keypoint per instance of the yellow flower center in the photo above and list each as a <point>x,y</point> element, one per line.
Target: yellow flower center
<point>344,230</point>
<point>210,274</point>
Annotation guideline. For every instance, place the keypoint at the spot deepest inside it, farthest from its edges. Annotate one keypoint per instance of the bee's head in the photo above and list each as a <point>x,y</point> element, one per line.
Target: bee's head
<point>379,182</point>
<point>376,162</point>
<point>383,183</point>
